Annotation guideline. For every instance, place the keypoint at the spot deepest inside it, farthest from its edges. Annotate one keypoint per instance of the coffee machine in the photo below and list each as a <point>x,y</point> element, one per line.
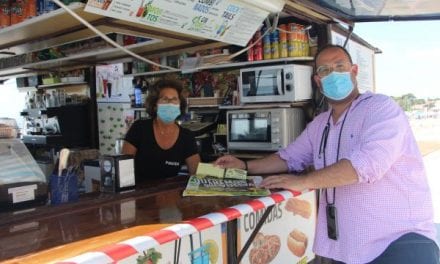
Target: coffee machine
<point>64,126</point>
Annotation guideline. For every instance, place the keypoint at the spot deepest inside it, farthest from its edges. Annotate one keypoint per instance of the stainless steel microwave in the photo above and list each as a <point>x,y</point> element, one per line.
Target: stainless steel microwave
<point>280,83</point>
<point>263,129</point>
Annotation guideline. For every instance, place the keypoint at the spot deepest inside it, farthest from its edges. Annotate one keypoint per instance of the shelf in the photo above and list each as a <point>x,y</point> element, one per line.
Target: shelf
<point>43,25</point>
<point>225,65</point>
<point>253,63</point>
<point>57,85</point>
<point>27,89</point>
<point>263,105</point>
<point>151,73</point>
<point>59,27</point>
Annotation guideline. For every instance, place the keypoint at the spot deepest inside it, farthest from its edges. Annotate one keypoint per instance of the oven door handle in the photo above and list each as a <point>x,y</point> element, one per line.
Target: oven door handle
<point>280,82</point>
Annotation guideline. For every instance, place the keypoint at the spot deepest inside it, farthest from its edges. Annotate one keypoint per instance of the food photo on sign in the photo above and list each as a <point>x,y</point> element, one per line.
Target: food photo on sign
<point>291,244</point>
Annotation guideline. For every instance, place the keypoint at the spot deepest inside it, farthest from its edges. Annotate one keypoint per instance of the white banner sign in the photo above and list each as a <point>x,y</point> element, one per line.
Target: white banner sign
<point>228,21</point>
<point>363,57</point>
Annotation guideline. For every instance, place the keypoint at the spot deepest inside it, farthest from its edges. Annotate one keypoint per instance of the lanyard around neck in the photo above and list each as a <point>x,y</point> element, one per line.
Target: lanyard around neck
<point>323,146</point>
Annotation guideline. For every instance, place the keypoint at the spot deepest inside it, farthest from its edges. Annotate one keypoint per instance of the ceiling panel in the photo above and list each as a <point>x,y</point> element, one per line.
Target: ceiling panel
<point>383,10</point>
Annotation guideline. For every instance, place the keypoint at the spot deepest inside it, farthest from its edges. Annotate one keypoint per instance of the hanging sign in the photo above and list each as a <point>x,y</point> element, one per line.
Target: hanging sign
<point>229,21</point>
<point>363,57</point>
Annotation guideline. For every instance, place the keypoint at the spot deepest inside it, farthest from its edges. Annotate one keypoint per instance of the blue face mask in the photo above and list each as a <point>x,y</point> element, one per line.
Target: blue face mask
<point>337,85</point>
<point>168,112</point>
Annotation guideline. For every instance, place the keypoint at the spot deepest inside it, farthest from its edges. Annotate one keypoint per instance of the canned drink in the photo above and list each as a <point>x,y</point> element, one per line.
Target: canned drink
<point>266,38</point>
<point>267,52</point>
<point>16,12</point>
<point>306,44</point>
<point>31,8</point>
<point>275,50</point>
<point>49,5</point>
<point>291,27</point>
<point>256,39</point>
<point>291,48</point>
<point>258,52</point>
<point>251,54</point>
<point>5,14</point>
<point>274,36</point>
<point>257,35</point>
<point>40,7</point>
<point>283,33</point>
<point>283,50</point>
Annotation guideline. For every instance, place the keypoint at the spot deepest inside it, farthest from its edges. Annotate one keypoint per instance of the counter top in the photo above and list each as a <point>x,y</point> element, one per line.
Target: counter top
<point>155,204</point>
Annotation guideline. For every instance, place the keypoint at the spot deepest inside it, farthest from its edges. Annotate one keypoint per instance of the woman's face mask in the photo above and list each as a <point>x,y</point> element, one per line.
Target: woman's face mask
<point>168,112</point>
<point>337,85</point>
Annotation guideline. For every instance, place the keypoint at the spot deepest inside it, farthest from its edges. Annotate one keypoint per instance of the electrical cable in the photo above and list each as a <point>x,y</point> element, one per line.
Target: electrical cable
<point>270,28</point>
<point>350,32</point>
<point>109,40</point>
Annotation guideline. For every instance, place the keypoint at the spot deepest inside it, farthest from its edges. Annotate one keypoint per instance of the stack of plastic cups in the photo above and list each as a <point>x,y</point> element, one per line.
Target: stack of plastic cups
<point>283,41</point>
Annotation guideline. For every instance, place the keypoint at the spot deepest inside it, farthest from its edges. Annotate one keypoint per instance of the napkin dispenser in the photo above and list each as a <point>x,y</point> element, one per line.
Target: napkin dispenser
<point>117,173</point>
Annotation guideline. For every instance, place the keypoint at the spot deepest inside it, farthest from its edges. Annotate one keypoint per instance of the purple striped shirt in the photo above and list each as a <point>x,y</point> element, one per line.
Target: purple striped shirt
<point>392,196</point>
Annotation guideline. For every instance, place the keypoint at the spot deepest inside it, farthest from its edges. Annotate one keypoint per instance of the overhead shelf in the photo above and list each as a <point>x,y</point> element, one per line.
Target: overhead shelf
<point>47,25</point>
<point>83,57</point>
<point>58,85</point>
<point>151,73</point>
<point>59,27</point>
<point>253,63</point>
<point>230,65</point>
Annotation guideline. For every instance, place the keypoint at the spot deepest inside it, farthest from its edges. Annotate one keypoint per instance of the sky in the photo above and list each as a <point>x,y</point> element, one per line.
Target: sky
<point>410,56</point>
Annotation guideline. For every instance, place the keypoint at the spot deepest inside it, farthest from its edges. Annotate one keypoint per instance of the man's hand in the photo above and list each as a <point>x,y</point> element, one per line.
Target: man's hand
<point>229,161</point>
<point>284,181</point>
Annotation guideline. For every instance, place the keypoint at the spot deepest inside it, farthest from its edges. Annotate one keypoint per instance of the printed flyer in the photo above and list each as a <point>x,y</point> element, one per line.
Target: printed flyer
<point>228,21</point>
<point>212,186</point>
<point>211,180</point>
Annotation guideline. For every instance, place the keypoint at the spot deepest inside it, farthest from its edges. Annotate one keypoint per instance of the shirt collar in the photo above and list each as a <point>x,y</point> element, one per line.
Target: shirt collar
<point>354,104</point>
<point>360,98</point>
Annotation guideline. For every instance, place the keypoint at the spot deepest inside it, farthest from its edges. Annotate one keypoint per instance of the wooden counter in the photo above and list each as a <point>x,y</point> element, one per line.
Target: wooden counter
<point>150,207</point>
<point>109,228</point>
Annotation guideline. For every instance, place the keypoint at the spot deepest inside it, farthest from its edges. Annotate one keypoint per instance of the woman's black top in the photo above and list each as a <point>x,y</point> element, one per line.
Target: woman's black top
<point>153,162</point>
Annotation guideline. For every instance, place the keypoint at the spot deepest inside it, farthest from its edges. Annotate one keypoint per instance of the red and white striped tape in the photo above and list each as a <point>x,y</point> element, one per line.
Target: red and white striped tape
<point>115,252</point>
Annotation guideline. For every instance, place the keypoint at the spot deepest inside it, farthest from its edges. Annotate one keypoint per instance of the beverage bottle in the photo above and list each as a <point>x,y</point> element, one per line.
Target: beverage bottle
<point>250,52</point>
<point>138,95</point>
<point>258,48</point>
<point>31,8</point>
<point>5,13</point>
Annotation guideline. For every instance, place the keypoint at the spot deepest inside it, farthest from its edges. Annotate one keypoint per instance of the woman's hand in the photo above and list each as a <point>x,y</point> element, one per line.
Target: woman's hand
<point>229,161</point>
<point>285,181</point>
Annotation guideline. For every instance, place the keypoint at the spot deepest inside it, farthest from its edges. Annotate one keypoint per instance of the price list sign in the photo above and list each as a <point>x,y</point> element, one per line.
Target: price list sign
<point>227,21</point>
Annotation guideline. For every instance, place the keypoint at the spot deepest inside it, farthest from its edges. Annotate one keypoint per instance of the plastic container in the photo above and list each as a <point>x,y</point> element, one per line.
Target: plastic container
<point>23,183</point>
<point>51,80</point>
<point>8,128</point>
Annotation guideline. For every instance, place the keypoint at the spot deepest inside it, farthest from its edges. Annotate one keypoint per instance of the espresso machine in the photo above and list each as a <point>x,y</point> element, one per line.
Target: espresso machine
<point>64,126</point>
<point>47,130</point>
